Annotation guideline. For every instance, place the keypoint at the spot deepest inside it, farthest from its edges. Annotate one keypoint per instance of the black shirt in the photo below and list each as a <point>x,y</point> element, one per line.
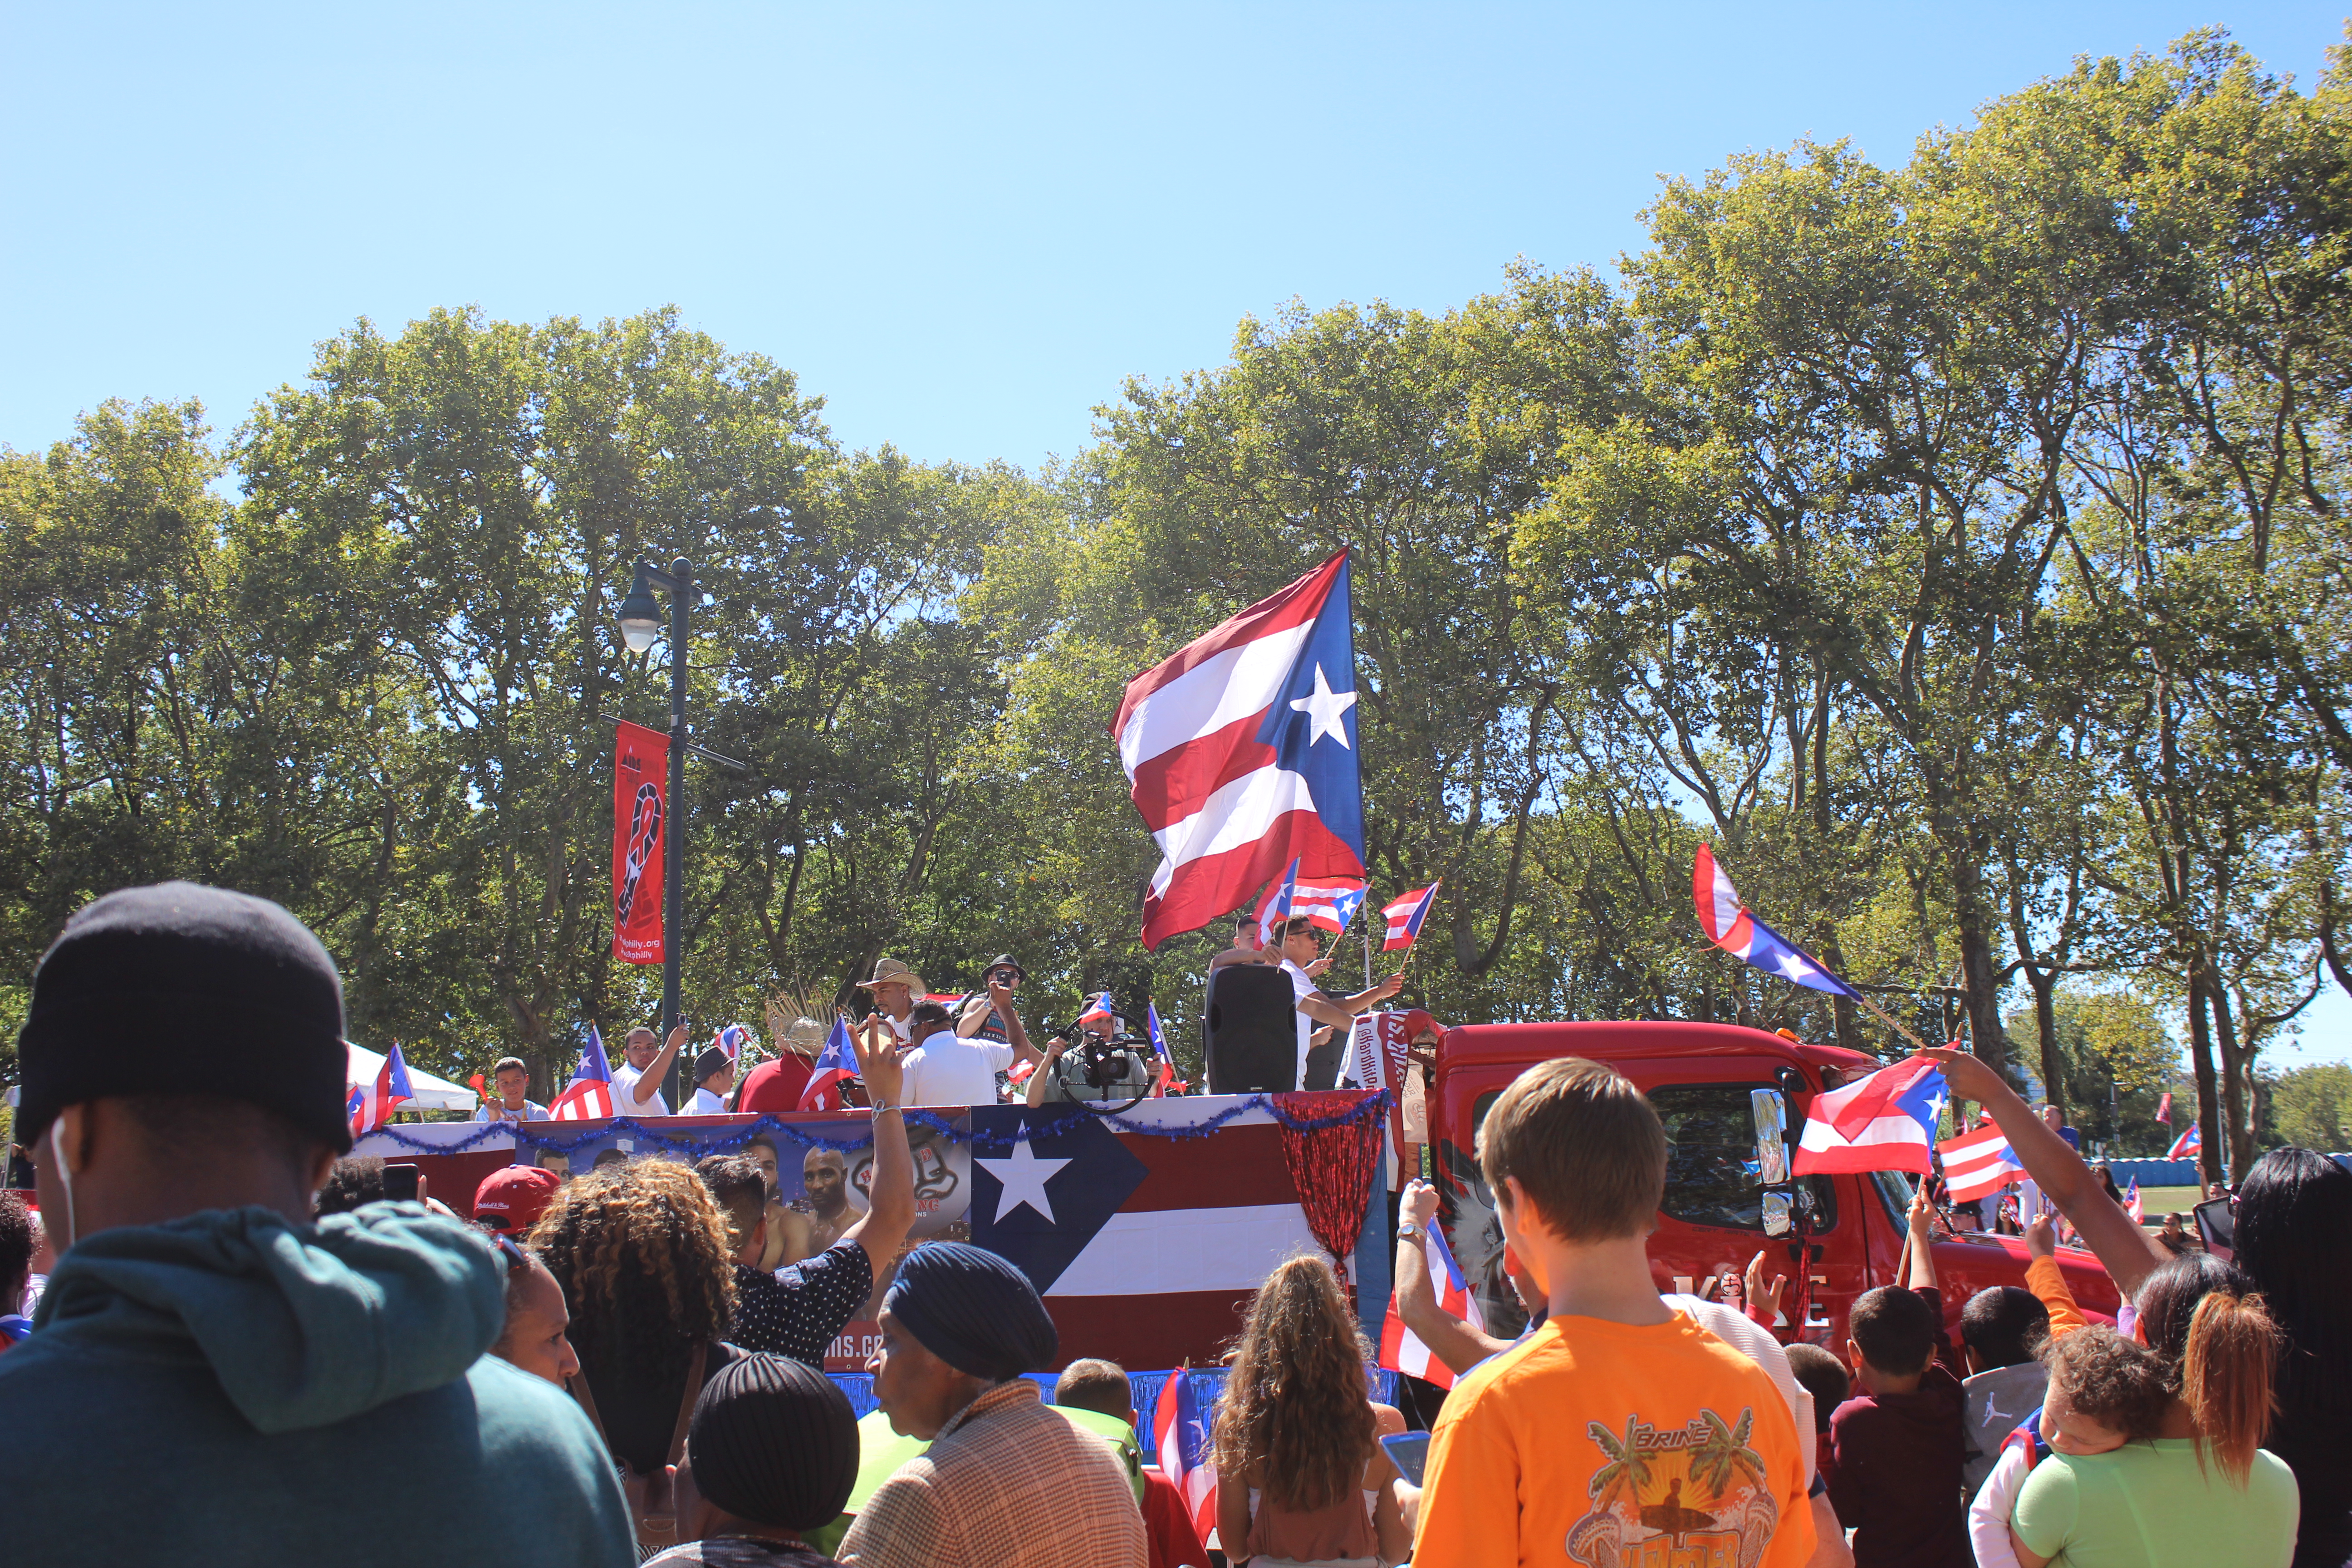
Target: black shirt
<point>799,1310</point>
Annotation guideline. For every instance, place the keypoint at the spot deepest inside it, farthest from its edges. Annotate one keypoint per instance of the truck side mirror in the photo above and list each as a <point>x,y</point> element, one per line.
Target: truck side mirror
<point>1770,1114</point>
<point>1776,1213</point>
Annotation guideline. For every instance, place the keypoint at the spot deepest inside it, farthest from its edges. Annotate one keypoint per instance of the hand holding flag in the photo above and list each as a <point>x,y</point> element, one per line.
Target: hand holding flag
<point>1884,1121</point>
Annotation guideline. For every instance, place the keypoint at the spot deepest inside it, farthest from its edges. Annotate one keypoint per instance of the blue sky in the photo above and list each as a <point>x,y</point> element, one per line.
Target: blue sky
<point>963,227</point>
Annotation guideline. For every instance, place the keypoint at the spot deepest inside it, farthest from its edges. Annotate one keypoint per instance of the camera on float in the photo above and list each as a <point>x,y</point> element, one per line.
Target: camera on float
<point>1100,1068</point>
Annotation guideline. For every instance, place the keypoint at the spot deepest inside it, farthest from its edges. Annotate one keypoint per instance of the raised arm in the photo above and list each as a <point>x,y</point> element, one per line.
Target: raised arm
<point>890,1202</point>
<point>1450,1339</point>
<point>2047,1281</point>
<point>2110,1232</point>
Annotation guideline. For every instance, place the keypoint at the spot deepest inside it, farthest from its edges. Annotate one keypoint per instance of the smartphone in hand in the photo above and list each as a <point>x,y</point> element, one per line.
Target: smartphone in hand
<point>1409,1450</point>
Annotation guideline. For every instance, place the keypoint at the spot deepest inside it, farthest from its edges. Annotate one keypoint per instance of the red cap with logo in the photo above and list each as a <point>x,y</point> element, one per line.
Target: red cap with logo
<point>510,1201</point>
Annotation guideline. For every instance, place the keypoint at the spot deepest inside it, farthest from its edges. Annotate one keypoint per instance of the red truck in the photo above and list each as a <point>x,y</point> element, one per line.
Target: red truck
<point>1727,1096</point>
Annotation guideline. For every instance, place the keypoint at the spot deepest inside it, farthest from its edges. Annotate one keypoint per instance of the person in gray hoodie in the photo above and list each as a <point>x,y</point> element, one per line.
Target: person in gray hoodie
<point>212,1378</point>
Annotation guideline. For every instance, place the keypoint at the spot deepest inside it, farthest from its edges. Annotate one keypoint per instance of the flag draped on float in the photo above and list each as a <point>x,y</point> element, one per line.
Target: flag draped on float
<point>835,1065</point>
<point>2187,1146</point>
<point>1885,1122</point>
<point>1400,1351</point>
<point>589,1095</point>
<point>1731,927</point>
<point>1240,752</point>
<point>1979,1164</point>
<point>369,1106</point>
<point>1179,1435</point>
<point>1405,915</point>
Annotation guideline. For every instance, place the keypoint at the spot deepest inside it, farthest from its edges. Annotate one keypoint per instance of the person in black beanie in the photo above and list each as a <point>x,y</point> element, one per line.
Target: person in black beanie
<point>1007,1483</point>
<point>773,1452</point>
<point>258,1373</point>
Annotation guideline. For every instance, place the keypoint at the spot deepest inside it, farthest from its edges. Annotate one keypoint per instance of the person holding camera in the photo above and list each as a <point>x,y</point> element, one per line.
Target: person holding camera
<point>1110,1067</point>
<point>944,1070</point>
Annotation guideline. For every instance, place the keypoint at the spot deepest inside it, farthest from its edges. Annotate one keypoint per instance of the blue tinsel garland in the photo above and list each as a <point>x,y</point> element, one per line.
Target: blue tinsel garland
<point>737,1136</point>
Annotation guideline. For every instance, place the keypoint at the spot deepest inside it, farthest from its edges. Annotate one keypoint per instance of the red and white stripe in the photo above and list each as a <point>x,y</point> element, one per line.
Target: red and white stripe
<point>1860,1128</point>
<point>1224,816</point>
<point>587,1100</point>
<point>1176,1267</point>
<point>1405,915</point>
<point>1318,901</point>
<point>1979,1164</point>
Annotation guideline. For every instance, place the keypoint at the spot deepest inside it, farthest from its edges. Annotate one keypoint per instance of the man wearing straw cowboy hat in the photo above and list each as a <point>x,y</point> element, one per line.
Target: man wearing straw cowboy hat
<point>896,989</point>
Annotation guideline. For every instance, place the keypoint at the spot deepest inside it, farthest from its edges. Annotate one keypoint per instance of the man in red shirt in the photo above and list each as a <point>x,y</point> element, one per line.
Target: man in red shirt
<point>776,1085</point>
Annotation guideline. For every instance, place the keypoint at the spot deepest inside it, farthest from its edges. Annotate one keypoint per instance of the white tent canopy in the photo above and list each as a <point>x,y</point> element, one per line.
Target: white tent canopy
<point>432,1093</point>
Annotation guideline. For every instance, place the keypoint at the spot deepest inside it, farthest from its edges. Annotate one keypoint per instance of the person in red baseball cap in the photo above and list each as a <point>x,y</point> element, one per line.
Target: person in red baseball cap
<point>511,1200</point>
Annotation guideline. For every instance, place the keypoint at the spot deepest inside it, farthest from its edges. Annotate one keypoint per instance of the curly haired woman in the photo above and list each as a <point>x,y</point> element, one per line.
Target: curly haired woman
<point>641,1252</point>
<point>1301,1476</point>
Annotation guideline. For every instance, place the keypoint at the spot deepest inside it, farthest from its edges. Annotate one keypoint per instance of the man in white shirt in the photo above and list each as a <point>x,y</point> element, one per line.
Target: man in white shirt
<point>1302,950</point>
<point>714,1075</point>
<point>636,1081</point>
<point>943,1070</point>
<point>896,989</point>
<point>513,1102</point>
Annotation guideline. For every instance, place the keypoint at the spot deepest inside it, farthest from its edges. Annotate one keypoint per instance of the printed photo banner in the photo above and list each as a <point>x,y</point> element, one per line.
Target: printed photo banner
<point>1376,1054</point>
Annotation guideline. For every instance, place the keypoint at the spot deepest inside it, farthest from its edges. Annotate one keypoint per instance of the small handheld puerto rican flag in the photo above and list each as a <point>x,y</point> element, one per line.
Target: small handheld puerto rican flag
<point>1979,1164</point>
<point>835,1065</point>
<point>1405,915</point>
<point>1179,1434</point>
<point>589,1095</point>
<point>1330,905</point>
<point>1101,1007</point>
<point>1159,1048</point>
<point>369,1106</point>
<point>732,1040</point>
<point>1730,926</point>
<point>2189,1145</point>
<point>1274,908</point>
<point>1400,1350</point>
<point>1885,1122</point>
<point>2132,1205</point>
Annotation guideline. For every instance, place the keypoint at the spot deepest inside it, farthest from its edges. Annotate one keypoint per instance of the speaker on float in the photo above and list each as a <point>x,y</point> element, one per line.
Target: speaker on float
<point>1253,1031</point>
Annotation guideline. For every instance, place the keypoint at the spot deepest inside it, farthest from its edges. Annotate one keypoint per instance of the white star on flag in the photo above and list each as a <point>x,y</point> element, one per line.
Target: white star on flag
<point>1024,1176</point>
<point>1791,967</point>
<point>1324,708</point>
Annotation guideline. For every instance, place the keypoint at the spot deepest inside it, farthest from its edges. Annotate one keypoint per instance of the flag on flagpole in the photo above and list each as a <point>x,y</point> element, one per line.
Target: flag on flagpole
<point>1885,1122</point>
<point>2189,1145</point>
<point>1730,926</point>
<point>1405,915</point>
<point>1979,1162</point>
<point>1180,1435</point>
<point>2164,1108</point>
<point>371,1106</point>
<point>1274,905</point>
<point>835,1064</point>
<point>1400,1351</point>
<point>589,1095</point>
<point>2132,1206</point>
<point>1240,752</point>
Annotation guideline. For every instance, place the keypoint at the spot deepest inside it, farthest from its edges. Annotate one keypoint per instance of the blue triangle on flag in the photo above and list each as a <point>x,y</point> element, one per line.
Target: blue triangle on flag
<point>1094,1174</point>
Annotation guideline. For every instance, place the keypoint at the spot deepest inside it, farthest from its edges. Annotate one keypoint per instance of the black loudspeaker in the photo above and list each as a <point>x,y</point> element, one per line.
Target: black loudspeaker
<point>1252,1029</point>
<point>1324,1061</point>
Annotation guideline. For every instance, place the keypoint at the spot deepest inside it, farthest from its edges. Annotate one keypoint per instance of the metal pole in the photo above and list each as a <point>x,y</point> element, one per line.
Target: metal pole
<point>674,863</point>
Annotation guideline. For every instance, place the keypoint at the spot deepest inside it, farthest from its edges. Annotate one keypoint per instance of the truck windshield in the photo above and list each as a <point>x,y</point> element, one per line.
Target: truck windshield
<point>1711,1158</point>
<point>1894,1190</point>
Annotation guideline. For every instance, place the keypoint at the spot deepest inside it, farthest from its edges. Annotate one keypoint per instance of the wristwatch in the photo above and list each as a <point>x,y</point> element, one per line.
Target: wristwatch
<point>1406,1229</point>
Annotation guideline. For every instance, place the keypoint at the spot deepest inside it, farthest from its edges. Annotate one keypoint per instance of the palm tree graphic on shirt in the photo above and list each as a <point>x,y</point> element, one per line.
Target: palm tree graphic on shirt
<point>1722,1451</point>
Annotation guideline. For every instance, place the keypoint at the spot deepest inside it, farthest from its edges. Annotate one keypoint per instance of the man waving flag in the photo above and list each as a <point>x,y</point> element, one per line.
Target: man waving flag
<point>1240,751</point>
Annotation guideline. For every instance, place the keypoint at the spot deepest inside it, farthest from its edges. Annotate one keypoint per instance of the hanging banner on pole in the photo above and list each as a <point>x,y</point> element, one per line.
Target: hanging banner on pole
<point>640,836</point>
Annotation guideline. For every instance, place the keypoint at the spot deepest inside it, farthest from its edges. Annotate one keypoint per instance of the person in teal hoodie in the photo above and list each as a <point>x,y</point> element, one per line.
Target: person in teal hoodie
<point>212,1378</point>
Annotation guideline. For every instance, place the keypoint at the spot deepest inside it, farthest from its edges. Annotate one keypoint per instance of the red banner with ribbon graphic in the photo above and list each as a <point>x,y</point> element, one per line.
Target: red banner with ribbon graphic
<point>640,836</point>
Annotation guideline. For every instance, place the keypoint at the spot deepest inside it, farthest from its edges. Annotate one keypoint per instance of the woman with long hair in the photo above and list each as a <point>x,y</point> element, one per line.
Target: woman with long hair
<point>2293,1236</point>
<point>1301,1476</point>
<point>641,1251</point>
<point>2200,1490</point>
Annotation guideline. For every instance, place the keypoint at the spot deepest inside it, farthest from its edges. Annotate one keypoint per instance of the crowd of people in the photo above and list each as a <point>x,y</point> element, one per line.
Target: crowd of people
<point>218,1314</point>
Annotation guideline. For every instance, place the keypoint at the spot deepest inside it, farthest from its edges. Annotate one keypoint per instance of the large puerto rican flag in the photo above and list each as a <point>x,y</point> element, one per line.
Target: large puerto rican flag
<point>1885,1122</point>
<point>1240,750</point>
<point>1152,1243</point>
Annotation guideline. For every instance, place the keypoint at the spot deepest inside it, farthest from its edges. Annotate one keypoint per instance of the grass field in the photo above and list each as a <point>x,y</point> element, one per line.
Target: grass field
<point>2157,1201</point>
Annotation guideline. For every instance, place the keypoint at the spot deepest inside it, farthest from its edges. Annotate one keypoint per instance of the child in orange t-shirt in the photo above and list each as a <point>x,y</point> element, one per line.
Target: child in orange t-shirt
<point>1621,1430</point>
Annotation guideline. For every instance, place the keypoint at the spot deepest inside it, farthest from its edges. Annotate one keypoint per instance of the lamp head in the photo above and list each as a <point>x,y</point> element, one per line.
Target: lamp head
<point>641,620</point>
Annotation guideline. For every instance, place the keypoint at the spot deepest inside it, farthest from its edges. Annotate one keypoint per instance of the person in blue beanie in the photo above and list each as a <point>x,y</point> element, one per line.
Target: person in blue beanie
<point>1006,1482</point>
<point>214,1378</point>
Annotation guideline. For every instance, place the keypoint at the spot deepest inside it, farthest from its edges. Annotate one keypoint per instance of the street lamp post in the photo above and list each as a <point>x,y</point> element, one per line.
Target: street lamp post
<point>640,626</point>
